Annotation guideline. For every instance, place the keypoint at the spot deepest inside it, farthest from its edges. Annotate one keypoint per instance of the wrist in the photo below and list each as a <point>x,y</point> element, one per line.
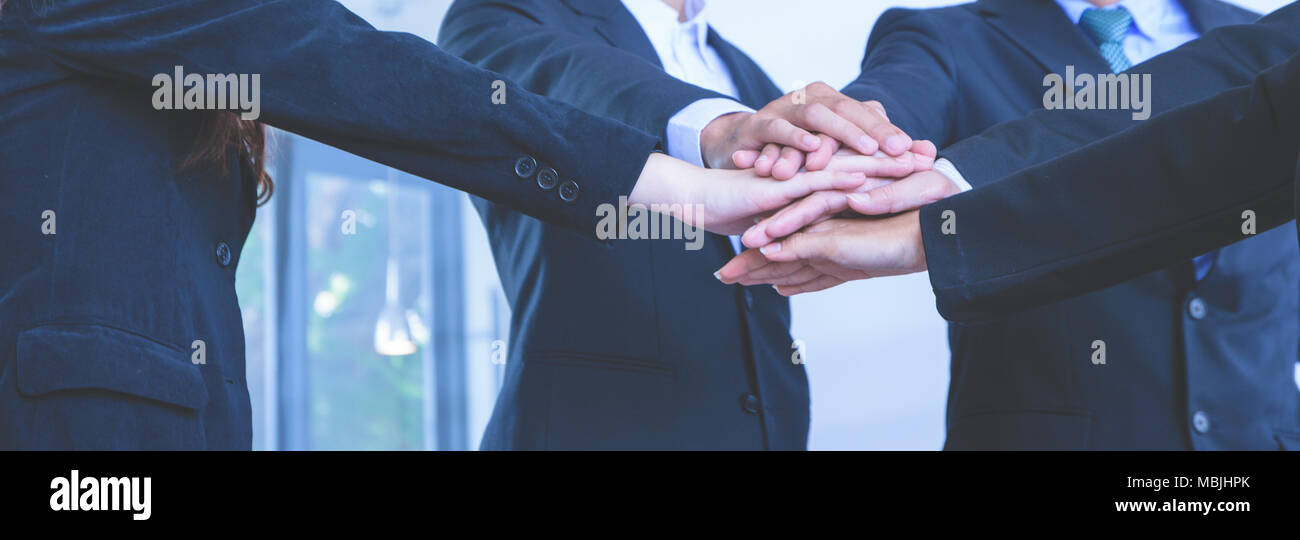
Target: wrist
<point>717,140</point>
<point>916,241</point>
<point>663,180</point>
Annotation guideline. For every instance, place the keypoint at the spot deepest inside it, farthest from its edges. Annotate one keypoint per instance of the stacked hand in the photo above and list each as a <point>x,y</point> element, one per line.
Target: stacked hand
<point>855,230</point>
<point>825,192</point>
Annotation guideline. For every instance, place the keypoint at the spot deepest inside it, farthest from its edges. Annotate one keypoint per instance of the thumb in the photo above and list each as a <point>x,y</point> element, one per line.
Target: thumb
<point>907,194</point>
<point>801,246</point>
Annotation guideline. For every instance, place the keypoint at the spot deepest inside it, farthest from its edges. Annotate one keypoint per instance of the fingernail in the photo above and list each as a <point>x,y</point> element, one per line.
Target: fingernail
<point>718,275</point>
<point>860,198</point>
<point>811,142</point>
<point>775,288</point>
<point>761,159</point>
<point>897,143</point>
<point>865,143</point>
<point>770,248</point>
<point>779,163</point>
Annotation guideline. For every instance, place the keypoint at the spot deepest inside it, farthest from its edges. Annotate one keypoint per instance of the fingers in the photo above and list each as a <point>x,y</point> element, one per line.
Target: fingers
<point>925,148</point>
<point>740,265</point>
<point>870,117</point>
<point>795,217</point>
<point>773,272</point>
<point>788,164</point>
<point>820,283</point>
<point>820,118</point>
<point>767,159</point>
<point>782,132</point>
<point>877,165</point>
<point>818,159</point>
<point>801,247</point>
<point>744,159</point>
<point>907,194</point>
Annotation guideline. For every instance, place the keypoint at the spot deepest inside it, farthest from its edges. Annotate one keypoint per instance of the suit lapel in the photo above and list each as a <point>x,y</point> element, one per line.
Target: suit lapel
<point>1207,15</point>
<point>617,25</point>
<point>755,87</point>
<point>1043,31</point>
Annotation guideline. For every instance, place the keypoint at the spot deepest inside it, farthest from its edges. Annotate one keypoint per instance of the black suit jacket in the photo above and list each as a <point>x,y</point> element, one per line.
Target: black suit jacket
<point>98,318</point>
<point>1027,380</point>
<point>634,346</point>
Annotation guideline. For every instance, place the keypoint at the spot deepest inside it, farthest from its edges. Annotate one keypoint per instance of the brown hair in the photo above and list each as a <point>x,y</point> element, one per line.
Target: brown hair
<point>223,132</point>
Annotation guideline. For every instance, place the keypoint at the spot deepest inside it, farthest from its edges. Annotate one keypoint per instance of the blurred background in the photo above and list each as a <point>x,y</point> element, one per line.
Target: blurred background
<point>375,320</point>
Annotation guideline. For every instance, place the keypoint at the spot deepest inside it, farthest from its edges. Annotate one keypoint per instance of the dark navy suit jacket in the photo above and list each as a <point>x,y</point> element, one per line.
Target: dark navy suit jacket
<point>98,319</point>
<point>1027,380</point>
<point>1257,125</point>
<point>634,347</point>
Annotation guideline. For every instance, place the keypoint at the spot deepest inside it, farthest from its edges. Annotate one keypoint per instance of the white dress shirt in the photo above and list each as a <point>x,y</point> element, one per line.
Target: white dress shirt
<point>1158,27</point>
<point>684,51</point>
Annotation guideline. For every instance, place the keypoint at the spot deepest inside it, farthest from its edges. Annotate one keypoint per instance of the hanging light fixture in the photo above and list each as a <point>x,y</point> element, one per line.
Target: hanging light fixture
<point>392,330</point>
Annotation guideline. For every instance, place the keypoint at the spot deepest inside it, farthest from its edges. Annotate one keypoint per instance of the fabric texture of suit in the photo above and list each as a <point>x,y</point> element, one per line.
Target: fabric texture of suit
<point>100,314</point>
<point>1026,380</point>
<point>633,347</point>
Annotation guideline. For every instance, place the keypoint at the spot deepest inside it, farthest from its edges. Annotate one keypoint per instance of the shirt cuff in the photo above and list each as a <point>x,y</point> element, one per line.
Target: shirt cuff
<point>685,127</point>
<point>946,168</point>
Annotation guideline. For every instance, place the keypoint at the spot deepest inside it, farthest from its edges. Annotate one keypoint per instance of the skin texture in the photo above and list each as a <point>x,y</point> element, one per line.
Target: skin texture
<point>733,200</point>
<point>833,252</point>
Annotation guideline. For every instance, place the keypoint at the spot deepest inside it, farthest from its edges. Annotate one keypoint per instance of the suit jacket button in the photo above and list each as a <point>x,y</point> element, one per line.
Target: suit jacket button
<point>525,166</point>
<point>569,191</point>
<point>547,179</point>
<point>749,402</point>
<point>1201,422</point>
<point>1196,308</point>
<point>223,254</point>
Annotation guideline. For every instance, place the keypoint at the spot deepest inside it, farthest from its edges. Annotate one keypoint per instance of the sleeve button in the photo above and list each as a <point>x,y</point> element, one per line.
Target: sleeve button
<point>525,166</point>
<point>569,191</point>
<point>547,179</point>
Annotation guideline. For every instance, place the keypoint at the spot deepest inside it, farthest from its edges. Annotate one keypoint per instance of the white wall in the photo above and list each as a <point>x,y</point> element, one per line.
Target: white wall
<point>877,351</point>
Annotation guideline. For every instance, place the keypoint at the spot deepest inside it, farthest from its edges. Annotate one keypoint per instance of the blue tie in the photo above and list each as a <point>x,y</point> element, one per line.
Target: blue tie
<point>1107,29</point>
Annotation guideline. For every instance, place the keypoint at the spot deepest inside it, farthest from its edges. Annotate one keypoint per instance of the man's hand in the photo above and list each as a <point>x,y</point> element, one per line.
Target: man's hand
<point>808,123</point>
<point>833,252</point>
<point>731,201</point>
<point>870,199</point>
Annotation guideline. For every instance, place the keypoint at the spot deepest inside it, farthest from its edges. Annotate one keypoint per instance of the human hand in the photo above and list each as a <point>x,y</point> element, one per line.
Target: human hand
<point>833,252</point>
<point>909,193</point>
<point>730,201</point>
<point>811,122</point>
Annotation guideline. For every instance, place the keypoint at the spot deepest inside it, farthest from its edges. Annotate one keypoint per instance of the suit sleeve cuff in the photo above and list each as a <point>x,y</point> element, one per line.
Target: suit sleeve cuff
<point>685,127</point>
<point>946,168</point>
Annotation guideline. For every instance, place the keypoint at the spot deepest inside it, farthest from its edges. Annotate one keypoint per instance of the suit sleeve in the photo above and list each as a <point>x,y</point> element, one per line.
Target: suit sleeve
<point>522,40</point>
<point>909,69</point>
<point>1224,58</point>
<point>328,75</point>
<point>1177,186</point>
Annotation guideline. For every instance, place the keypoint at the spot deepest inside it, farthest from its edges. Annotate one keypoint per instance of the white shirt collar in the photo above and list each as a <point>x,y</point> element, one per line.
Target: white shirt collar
<point>655,16</point>
<point>1147,14</point>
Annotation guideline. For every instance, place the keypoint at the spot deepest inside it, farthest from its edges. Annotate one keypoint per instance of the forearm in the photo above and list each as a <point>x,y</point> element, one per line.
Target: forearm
<point>330,76</point>
<point>1222,59</point>
<point>1172,188</point>
<point>516,41</point>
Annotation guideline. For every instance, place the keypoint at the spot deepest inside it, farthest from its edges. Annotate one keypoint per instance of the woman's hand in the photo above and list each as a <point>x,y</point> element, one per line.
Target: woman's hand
<point>833,252</point>
<point>730,201</point>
